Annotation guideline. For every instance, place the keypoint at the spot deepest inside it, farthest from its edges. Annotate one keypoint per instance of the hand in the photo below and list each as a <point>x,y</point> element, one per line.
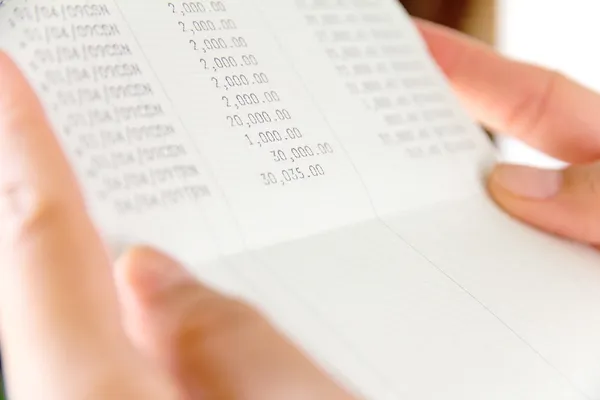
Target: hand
<point>60,314</point>
<point>545,110</point>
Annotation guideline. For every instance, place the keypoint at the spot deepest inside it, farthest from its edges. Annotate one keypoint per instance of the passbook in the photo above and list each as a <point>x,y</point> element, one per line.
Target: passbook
<point>309,157</point>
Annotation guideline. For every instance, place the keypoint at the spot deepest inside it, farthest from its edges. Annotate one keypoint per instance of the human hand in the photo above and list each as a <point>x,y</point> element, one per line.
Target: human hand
<point>545,110</point>
<point>61,313</point>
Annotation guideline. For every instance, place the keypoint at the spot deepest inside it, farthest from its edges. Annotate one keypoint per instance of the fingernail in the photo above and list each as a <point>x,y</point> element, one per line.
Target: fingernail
<point>528,182</point>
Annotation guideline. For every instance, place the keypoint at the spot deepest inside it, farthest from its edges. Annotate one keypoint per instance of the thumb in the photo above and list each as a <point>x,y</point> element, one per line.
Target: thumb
<point>563,202</point>
<point>217,347</point>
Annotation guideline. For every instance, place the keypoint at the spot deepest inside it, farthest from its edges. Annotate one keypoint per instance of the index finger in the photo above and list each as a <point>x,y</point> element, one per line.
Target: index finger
<point>59,317</point>
<point>541,107</point>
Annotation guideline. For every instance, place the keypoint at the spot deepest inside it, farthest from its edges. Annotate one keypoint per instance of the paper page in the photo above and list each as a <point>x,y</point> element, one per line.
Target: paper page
<point>543,289</point>
<point>284,149</point>
<point>366,61</point>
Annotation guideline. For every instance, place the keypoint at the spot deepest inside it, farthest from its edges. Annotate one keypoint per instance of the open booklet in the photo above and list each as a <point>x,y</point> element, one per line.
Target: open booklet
<point>308,156</point>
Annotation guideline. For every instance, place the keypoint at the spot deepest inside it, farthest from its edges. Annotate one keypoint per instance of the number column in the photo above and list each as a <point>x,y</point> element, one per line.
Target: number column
<point>258,126</point>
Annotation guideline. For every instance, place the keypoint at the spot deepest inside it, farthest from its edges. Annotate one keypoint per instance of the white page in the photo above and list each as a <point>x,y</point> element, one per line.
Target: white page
<point>343,261</point>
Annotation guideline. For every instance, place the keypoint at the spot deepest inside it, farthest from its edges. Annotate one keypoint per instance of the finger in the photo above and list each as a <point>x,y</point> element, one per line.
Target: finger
<point>59,316</point>
<point>540,107</point>
<point>217,347</point>
<point>564,202</point>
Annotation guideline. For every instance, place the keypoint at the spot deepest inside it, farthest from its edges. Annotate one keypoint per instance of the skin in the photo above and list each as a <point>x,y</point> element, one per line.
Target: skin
<point>75,327</point>
<point>542,108</point>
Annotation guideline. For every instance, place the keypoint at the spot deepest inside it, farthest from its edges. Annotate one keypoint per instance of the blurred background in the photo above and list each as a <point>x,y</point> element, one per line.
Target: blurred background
<point>475,17</point>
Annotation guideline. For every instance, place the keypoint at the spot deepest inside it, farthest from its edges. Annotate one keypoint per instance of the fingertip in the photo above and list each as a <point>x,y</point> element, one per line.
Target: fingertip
<point>147,272</point>
<point>15,88</point>
<point>494,188</point>
<point>4,58</point>
<point>527,182</point>
<point>558,202</point>
<point>446,46</point>
<point>520,190</point>
<point>26,136</point>
<point>139,255</point>
<point>430,28</point>
<point>422,24</point>
<point>6,62</point>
